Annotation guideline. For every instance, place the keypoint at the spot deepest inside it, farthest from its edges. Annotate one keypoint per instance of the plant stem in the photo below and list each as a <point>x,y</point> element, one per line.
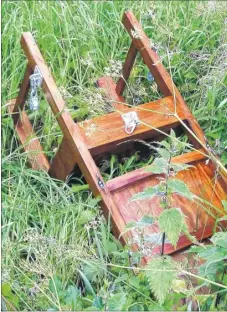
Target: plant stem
<point>166,200</point>
<point>163,243</point>
<point>217,301</point>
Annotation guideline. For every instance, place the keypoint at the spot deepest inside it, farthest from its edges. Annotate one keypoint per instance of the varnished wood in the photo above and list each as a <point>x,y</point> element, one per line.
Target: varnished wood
<point>72,133</point>
<point>63,162</point>
<point>30,142</point>
<point>109,86</point>
<point>160,74</point>
<point>20,100</point>
<point>104,134</point>
<point>127,67</point>
<point>141,173</point>
<point>200,181</point>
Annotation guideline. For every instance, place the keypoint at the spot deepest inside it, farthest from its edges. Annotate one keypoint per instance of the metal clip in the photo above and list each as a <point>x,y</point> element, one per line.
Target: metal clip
<point>36,80</point>
<point>131,120</point>
<point>101,183</point>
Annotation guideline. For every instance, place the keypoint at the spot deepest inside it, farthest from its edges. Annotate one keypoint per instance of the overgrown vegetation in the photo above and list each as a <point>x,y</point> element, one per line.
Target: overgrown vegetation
<point>58,252</point>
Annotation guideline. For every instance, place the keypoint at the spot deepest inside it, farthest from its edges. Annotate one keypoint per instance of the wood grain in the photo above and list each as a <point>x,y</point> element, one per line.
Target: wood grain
<point>109,86</point>
<point>199,218</point>
<point>160,74</point>
<point>20,100</point>
<point>127,67</point>
<point>30,142</point>
<point>141,173</point>
<point>72,133</point>
<point>103,133</point>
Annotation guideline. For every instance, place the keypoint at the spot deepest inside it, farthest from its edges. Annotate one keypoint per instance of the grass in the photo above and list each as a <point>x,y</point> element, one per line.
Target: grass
<point>55,243</point>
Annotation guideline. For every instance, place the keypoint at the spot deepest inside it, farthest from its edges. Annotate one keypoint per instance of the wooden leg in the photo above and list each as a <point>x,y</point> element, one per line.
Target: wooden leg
<point>161,76</point>
<point>109,85</point>
<point>63,162</point>
<point>130,59</point>
<point>20,101</point>
<point>30,142</point>
<point>72,134</point>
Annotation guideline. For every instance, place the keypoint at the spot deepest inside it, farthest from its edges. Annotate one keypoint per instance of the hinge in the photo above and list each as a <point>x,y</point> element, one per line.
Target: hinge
<point>36,80</point>
<point>131,121</point>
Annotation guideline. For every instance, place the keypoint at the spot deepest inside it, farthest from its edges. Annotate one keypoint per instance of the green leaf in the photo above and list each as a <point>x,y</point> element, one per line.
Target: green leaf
<point>220,239</point>
<point>224,203</point>
<point>55,286</point>
<point>179,187</point>
<point>98,303</point>
<point>149,192</point>
<point>155,238</point>
<point>180,167</point>
<point>6,290</point>
<point>164,153</point>
<point>223,219</point>
<point>86,282</point>
<point>72,294</point>
<point>159,165</point>
<point>161,274</point>
<point>93,271</point>
<point>171,222</point>
<point>145,221</point>
<point>136,307</point>
<point>116,302</point>
<point>79,187</point>
<point>165,144</point>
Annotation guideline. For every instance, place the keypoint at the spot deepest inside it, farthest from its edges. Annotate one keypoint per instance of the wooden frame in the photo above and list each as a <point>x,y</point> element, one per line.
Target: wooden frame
<point>79,148</point>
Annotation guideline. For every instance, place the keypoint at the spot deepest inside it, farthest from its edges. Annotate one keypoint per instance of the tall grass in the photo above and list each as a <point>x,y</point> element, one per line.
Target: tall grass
<point>51,233</point>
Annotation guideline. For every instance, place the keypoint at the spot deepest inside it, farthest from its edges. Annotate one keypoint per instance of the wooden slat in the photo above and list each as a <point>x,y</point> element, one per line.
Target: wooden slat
<point>161,76</point>
<point>200,219</point>
<point>20,100</point>
<point>141,173</point>
<point>103,133</point>
<point>30,142</point>
<point>63,162</point>
<point>130,59</point>
<point>109,85</point>
<point>72,133</point>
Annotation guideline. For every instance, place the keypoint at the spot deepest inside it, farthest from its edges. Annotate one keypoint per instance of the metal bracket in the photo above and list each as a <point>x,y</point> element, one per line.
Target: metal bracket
<point>36,80</point>
<point>131,120</point>
<point>101,183</point>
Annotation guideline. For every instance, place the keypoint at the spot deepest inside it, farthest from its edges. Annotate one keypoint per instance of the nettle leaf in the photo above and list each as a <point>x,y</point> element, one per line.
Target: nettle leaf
<point>143,222</point>
<point>171,222</point>
<point>149,192</point>
<point>224,203</point>
<point>223,218</point>
<point>179,187</point>
<point>180,167</point>
<point>164,153</point>
<point>93,271</point>
<point>220,239</point>
<point>161,274</point>
<point>116,302</point>
<point>72,294</point>
<point>165,144</point>
<point>159,165</point>
<point>155,238</point>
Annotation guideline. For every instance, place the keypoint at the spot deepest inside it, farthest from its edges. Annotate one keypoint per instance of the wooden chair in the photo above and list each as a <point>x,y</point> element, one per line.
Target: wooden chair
<point>203,179</point>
